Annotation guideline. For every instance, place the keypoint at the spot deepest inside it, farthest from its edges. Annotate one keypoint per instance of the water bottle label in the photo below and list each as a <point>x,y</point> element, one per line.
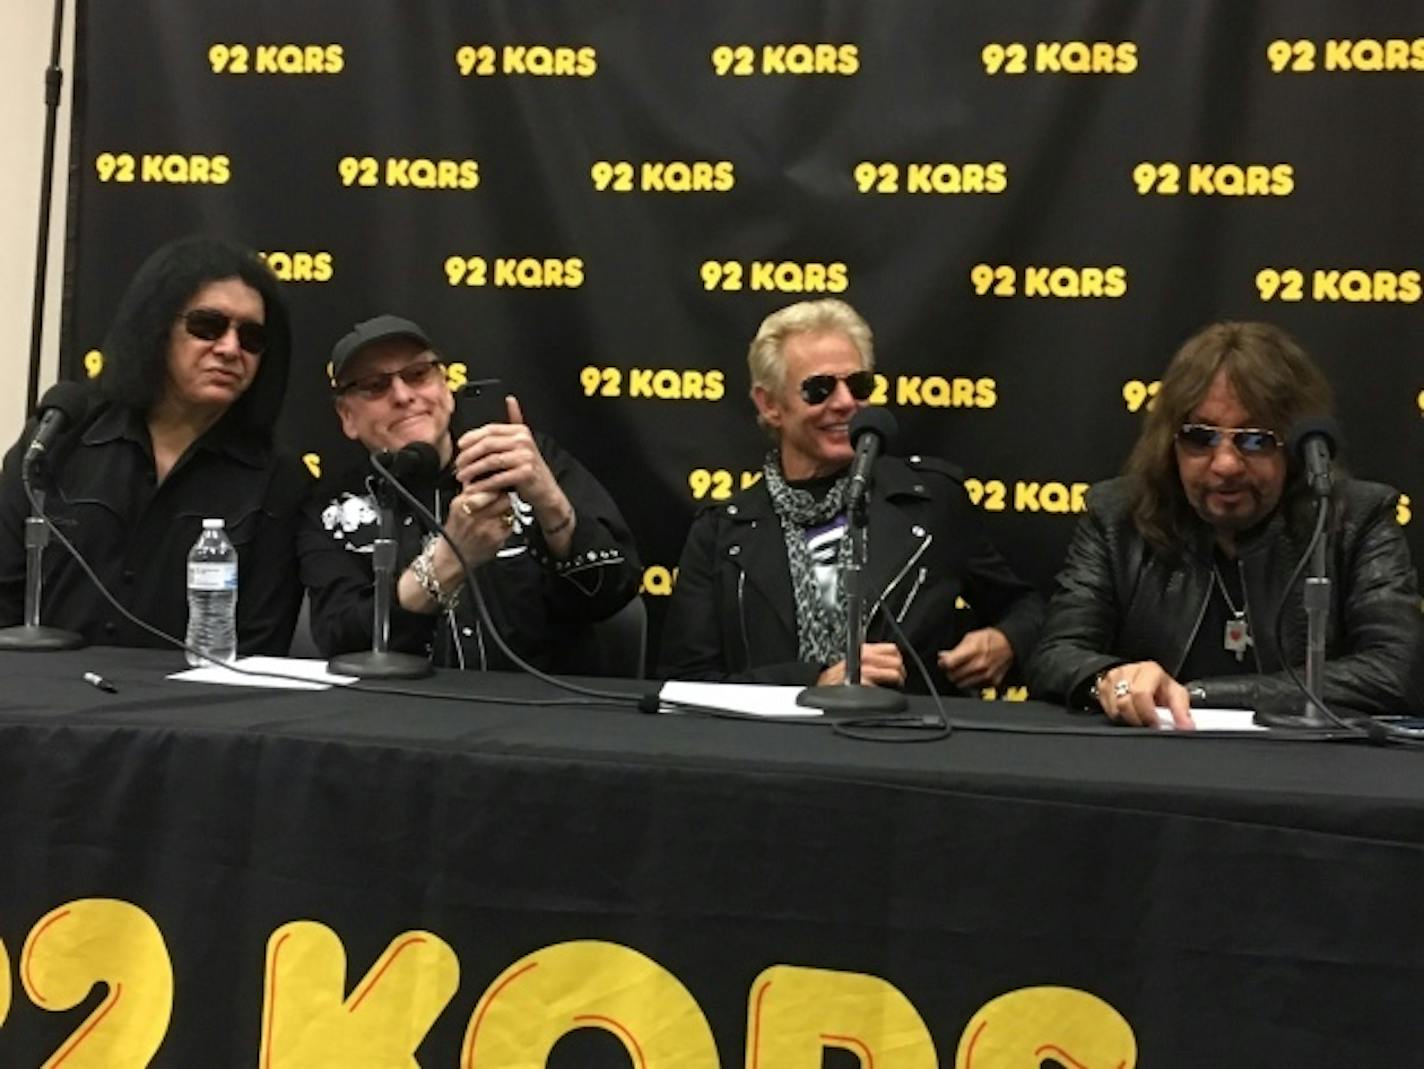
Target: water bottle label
<point>212,577</point>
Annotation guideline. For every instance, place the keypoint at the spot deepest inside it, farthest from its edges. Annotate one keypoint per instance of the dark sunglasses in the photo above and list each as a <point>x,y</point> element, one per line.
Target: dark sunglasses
<point>205,324</point>
<point>374,386</point>
<point>1248,441</point>
<point>817,388</point>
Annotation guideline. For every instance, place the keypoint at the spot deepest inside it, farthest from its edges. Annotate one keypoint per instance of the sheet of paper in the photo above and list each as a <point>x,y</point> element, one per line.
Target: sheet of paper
<point>1214,719</point>
<point>286,673</point>
<point>753,699</point>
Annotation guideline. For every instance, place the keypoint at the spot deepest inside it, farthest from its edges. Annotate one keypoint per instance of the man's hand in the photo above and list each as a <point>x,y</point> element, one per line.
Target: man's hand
<point>503,456</point>
<point>479,522</point>
<point>880,665</point>
<point>1131,693</point>
<point>981,659</point>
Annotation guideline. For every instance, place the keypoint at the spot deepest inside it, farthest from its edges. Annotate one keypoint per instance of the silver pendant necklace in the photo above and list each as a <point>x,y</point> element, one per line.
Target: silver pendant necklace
<point>1237,636</point>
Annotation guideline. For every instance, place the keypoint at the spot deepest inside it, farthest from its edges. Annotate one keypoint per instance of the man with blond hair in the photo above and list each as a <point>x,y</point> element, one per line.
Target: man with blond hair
<point>759,595</point>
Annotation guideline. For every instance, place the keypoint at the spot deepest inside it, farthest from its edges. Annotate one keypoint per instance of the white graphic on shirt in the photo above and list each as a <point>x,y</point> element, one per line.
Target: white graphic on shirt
<point>354,521</point>
<point>824,542</point>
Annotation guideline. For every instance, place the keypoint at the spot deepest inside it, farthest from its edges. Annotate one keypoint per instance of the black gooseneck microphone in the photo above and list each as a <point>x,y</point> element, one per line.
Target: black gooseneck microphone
<point>415,463</point>
<point>873,432</point>
<point>1315,442</point>
<point>64,405</point>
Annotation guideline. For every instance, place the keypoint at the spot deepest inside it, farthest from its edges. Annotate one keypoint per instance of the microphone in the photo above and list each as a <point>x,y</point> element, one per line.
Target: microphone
<point>417,462</point>
<point>872,432</point>
<point>63,405</point>
<point>1315,441</point>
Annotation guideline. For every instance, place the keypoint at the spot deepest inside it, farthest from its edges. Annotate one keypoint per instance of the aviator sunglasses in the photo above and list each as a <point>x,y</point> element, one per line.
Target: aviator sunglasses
<point>1203,438</point>
<point>205,324</point>
<point>815,389</point>
<point>373,386</point>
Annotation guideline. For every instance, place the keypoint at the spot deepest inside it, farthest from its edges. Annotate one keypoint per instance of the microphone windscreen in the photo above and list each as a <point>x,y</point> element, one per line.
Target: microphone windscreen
<point>877,421</point>
<point>71,399</point>
<point>425,461</point>
<point>1322,427</point>
<point>415,463</point>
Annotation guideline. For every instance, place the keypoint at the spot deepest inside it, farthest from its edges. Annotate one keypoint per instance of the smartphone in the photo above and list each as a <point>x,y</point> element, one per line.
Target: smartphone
<point>478,402</point>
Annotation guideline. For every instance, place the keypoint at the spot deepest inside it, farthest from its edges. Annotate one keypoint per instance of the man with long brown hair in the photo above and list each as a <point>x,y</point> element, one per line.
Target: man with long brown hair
<point>1175,575</point>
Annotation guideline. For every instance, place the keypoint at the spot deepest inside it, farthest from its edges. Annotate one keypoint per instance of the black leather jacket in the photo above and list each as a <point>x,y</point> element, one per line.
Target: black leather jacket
<point>733,612</point>
<point>1119,600</point>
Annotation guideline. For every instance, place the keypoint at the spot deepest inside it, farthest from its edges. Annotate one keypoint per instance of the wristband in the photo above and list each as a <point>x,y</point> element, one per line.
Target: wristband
<point>567,521</point>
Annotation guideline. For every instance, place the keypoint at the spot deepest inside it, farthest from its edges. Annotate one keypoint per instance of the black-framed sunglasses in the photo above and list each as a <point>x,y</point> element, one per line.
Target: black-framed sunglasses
<point>815,389</point>
<point>374,386</point>
<point>208,324</point>
<point>1248,441</point>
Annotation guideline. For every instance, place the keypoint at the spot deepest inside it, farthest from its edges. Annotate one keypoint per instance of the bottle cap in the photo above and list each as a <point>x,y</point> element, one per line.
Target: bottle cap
<point>213,525</point>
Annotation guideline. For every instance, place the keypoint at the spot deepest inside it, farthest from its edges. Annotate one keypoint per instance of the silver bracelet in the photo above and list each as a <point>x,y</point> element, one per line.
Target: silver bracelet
<point>423,568</point>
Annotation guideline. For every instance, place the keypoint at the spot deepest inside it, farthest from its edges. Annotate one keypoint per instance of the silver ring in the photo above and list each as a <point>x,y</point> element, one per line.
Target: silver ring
<point>1121,689</point>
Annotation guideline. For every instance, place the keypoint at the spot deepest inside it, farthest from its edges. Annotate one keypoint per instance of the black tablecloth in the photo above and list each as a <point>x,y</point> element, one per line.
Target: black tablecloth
<point>1237,901</point>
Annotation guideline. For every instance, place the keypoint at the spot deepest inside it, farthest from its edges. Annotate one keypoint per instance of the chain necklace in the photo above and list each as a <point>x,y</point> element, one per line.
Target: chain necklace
<point>1237,636</point>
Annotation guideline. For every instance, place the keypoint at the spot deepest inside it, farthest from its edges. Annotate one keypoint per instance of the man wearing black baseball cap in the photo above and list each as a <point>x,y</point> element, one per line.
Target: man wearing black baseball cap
<point>558,555</point>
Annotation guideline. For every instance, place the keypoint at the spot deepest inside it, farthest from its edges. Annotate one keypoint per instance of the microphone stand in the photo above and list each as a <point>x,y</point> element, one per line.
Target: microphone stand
<point>31,635</point>
<point>380,662</point>
<point>1317,612</point>
<point>1311,714</point>
<point>54,81</point>
<point>851,695</point>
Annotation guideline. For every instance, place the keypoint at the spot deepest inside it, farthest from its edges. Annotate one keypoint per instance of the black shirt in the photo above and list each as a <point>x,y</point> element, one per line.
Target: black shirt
<point>541,606</point>
<point>135,532</point>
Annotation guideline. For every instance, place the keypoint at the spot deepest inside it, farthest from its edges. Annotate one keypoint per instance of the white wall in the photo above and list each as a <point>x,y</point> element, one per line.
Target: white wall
<point>25,32</point>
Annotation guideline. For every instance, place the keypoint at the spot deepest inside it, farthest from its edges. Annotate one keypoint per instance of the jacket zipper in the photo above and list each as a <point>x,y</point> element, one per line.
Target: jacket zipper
<point>742,614</point>
<point>920,552</point>
<point>1201,615</point>
<point>919,581</point>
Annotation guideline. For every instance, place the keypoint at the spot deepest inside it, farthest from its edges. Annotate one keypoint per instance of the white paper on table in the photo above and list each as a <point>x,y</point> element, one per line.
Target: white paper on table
<point>292,673</point>
<point>751,699</point>
<point>1214,719</point>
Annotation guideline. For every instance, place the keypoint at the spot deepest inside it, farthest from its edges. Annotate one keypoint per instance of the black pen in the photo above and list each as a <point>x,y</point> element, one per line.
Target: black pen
<point>94,679</point>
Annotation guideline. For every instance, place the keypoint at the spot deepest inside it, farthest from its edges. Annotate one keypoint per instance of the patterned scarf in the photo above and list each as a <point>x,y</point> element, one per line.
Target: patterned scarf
<point>820,629</point>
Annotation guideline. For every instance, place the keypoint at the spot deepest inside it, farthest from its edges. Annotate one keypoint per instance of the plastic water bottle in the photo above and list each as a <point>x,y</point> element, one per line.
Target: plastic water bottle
<point>212,596</point>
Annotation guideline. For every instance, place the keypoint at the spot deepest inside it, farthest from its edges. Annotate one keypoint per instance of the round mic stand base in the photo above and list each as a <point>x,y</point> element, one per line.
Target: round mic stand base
<point>853,698</point>
<point>35,637</point>
<point>373,664</point>
<point>1292,717</point>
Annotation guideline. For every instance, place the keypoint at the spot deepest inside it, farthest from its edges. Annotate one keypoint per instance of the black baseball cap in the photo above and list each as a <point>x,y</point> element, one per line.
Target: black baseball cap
<point>370,331</point>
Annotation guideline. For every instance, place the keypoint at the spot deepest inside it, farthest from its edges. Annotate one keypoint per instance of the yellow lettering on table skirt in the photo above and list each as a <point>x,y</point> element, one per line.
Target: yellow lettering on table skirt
<point>794,1013</point>
<point>1038,1025</point>
<point>101,941</point>
<point>4,982</point>
<point>309,1022</point>
<point>587,984</point>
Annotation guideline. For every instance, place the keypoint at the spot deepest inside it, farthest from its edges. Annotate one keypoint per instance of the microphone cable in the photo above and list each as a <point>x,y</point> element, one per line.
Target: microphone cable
<point>158,633</point>
<point>924,728</point>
